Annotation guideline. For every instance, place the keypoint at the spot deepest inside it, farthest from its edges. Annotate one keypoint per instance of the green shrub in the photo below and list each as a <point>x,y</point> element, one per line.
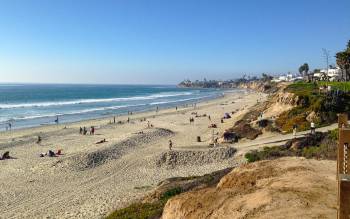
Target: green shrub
<point>310,152</point>
<point>267,153</point>
<point>316,103</point>
<point>302,88</point>
<point>139,211</point>
<point>145,210</point>
<point>208,178</point>
<point>323,148</point>
<point>170,193</point>
<point>287,120</point>
<point>334,134</point>
<point>324,151</point>
<point>325,105</point>
<point>343,86</point>
<point>252,156</point>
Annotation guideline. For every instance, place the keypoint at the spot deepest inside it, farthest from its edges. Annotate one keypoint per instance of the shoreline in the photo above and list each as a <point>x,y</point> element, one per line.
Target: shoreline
<point>104,117</point>
<point>73,187</point>
<point>149,113</point>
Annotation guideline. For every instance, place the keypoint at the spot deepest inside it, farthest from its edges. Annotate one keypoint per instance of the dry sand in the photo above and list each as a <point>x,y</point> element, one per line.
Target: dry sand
<point>90,180</point>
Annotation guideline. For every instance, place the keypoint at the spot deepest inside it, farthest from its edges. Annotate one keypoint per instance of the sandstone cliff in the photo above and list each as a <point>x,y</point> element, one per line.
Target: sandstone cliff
<point>280,102</point>
<point>260,86</point>
<point>283,188</point>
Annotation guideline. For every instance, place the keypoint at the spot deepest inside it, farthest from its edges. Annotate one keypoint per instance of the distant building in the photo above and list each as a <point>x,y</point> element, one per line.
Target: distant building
<point>286,77</point>
<point>331,74</point>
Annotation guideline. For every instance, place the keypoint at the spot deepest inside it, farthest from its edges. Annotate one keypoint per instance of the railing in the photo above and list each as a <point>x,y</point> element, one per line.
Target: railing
<point>343,177</point>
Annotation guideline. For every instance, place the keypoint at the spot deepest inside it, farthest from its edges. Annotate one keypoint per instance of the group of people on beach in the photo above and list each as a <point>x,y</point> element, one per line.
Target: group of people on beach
<point>51,153</point>
<point>83,131</point>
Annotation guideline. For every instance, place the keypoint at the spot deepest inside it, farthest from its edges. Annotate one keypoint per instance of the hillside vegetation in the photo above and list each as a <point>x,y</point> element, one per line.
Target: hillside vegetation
<point>315,104</point>
<point>320,146</point>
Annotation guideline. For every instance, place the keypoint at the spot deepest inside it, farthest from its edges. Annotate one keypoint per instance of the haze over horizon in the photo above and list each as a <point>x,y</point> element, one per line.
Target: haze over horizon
<point>164,42</point>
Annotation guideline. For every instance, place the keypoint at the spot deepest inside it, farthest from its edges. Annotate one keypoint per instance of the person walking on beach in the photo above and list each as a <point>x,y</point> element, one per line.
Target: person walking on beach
<point>39,140</point>
<point>170,145</point>
<point>92,130</point>
<point>295,130</point>
<point>81,130</point>
<point>114,119</point>
<point>128,120</point>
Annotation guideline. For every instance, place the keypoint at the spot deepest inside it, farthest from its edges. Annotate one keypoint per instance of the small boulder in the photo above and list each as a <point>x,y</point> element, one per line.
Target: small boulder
<point>313,117</point>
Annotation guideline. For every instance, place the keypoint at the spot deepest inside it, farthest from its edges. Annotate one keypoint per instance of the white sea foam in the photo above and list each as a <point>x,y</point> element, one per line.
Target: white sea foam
<point>37,116</point>
<point>76,112</point>
<point>179,100</point>
<point>87,101</point>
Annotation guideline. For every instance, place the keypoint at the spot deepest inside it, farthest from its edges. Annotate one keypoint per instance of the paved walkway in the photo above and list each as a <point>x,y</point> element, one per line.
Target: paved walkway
<point>275,139</point>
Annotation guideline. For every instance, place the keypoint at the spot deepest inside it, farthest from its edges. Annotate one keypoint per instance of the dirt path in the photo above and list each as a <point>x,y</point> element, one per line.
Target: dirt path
<point>274,139</point>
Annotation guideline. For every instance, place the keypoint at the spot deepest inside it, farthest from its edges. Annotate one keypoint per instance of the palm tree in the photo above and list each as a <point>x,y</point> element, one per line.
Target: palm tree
<point>301,70</point>
<point>343,61</point>
<point>306,68</point>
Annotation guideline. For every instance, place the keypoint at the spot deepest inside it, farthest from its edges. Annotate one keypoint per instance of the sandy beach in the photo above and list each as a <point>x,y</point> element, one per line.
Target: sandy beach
<point>90,180</point>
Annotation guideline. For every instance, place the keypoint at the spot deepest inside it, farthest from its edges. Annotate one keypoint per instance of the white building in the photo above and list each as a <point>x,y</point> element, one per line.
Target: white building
<point>287,77</point>
<point>332,74</point>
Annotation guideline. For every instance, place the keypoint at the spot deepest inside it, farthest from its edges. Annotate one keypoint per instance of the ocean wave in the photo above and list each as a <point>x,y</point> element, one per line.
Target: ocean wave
<point>86,101</point>
<point>77,112</point>
<point>5,119</point>
<point>180,100</point>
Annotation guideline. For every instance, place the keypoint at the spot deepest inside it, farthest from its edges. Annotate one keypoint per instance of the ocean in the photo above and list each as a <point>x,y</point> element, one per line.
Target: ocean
<point>30,105</point>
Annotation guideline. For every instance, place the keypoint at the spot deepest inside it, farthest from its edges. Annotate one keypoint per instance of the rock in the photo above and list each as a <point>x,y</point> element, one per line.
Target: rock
<point>307,141</point>
<point>244,130</point>
<point>313,117</point>
<point>171,159</point>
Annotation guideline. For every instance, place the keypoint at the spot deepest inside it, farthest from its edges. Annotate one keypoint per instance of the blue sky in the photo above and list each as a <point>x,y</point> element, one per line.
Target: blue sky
<point>165,41</point>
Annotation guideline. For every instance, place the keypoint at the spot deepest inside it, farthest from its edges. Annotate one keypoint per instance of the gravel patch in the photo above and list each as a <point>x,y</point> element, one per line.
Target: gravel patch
<point>172,159</point>
<point>89,160</point>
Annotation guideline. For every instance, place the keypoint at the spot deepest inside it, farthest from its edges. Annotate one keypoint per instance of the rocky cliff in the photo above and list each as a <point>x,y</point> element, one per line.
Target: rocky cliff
<point>260,86</point>
<point>280,102</point>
